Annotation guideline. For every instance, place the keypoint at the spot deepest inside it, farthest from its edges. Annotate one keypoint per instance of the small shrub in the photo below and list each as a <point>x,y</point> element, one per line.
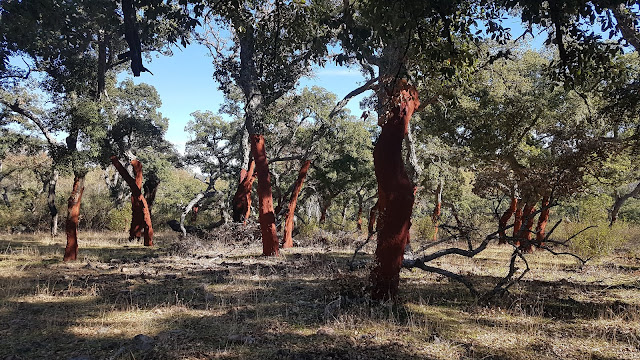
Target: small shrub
<point>119,219</point>
<point>423,229</point>
<point>599,241</point>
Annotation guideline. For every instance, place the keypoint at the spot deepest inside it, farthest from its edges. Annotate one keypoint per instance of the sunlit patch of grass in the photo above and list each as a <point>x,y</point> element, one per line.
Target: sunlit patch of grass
<point>218,300</point>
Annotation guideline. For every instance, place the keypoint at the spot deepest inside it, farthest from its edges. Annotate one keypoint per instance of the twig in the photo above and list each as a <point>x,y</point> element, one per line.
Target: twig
<point>353,258</point>
<point>418,263</point>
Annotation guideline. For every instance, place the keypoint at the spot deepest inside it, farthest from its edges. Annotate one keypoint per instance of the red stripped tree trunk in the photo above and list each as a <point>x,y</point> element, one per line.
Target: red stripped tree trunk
<point>542,221</point>
<point>288,222</point>
<point>504,219</point>
<point>73,218</point>
<point>528,216</point>
<point>395,192</point>
<point>266,216</point>
<point>242,199</point>
<point>139,203</point>
<point>137,213</point>
<point>517,223</point>
<point>435,217</point>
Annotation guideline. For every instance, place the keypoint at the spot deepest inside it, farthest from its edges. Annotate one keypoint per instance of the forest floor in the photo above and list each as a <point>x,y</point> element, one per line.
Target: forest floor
<point>197,299</point>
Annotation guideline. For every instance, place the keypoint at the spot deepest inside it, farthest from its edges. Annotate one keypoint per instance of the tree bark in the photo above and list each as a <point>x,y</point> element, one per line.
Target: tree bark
<point>73,218</point>
<point>517,223</point>
<point>241,203</point>
<point>359,214</point>
<point>395,189</point>
<point>620,200</point>
<point>373,215</point>
<point>138,203</point>
<point>266,216</point>
<point>543,218</point>
<point>504,219</point>
<point>137,212</point>
<point>435,216</point>
<point>288,222</point>
<point>188,208</point>
<point>323,211</point>
<point>625,22</point>
<point>51,201</point>
<point>528,219</point>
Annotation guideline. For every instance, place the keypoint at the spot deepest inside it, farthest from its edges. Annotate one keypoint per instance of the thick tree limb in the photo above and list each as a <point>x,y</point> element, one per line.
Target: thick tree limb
<point>626,24</point>
<point>342,103</point>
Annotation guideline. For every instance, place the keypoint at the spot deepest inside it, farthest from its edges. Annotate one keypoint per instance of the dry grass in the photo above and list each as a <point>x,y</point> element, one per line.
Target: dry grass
<point>197,299</point>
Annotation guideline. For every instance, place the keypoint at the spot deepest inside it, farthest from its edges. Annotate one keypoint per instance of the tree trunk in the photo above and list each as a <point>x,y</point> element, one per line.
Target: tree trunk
<point>620,200</point>
<point>359,214</point>
<point>266,216</point>
<point>373,215</point>
<point>73,218</point>
<point>137,212</point>
<point>102,66</point>
<point>504,219</point>
<point>51,201</point>
<point>517,223</point>
<point>435,216</point>
<point>395,189</point>
<point>528,219</point>
<point>542,221</point>
<point>324,208</point>
<point>138,202</point>
<point>288,222</point>
<point>241,203</point>
<point>188,208</point>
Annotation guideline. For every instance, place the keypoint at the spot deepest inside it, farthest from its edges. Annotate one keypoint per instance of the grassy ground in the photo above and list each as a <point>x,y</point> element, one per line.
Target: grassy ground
<point>197,300</point>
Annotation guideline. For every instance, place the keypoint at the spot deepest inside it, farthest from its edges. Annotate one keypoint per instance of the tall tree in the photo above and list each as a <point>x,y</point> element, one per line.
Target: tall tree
<point>271,45</point>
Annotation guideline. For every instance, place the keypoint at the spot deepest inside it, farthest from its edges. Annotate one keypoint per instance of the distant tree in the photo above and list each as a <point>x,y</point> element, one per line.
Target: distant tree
<point>76,45</point>
<point>214,149</point>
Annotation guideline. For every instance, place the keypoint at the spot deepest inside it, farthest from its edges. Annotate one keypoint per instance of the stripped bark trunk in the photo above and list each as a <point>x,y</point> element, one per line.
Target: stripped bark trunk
<point>517,223</point>
<point>395,192</point>
<point>435,217</point>
<point>73,218</point>
<point>138,202</point>
<point>288,222</point>
<point>528,219</point>
<point>504,219</point>
<point>137,213</point>
<point>241,204</point>
<point>266,216</point>
<point>51,201</point>
<point>542,221</point>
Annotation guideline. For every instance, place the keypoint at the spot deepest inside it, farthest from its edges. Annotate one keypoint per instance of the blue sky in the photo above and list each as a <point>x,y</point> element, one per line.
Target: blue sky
<point>185,84</point>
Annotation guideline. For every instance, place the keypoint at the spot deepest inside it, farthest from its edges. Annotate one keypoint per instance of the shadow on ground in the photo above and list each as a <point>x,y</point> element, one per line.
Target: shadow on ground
<point>303,305</point>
